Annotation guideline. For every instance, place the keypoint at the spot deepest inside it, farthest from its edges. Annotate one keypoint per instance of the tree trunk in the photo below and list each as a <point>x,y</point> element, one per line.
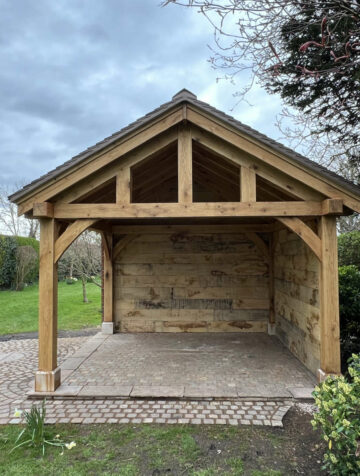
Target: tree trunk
<point>83,280</point>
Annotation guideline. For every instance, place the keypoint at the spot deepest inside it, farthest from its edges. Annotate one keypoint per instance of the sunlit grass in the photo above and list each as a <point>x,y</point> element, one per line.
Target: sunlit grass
<point>19,309</point>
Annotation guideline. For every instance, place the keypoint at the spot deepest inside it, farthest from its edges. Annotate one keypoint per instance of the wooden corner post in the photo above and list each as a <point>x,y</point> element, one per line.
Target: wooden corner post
<point>330,362</point>
<point>47,378</point>
<point>108,322</point>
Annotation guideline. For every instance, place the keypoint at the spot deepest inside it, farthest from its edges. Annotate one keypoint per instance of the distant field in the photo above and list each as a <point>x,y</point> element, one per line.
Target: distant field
<point>19,309</point>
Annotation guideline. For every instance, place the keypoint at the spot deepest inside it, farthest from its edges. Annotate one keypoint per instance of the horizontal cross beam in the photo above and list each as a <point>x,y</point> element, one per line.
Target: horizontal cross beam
<point>195,210</point>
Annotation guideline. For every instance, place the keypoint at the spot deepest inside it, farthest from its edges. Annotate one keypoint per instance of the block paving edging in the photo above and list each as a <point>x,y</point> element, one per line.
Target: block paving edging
<point>133,411</point>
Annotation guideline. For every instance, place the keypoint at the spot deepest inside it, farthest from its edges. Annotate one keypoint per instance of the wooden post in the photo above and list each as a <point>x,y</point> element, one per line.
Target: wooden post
<point>272,246</point>
<point>47,378</point>
<point>185,182</point>
<point>108,324</point>
<point>329,300</point>
<point>123,186</point>
<point>247,185</point>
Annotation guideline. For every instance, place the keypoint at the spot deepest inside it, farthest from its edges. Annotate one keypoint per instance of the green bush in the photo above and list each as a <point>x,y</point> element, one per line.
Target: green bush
<point>25,241</point>
<point>8,256</point>
<point>338,418</point>
<point>349,249</point>
<point>7,261</point>
<point>349,295</point>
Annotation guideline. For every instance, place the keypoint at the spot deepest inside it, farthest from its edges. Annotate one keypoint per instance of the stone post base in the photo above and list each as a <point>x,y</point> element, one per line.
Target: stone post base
<point>271,329</point>
<point>47,381</point>
<point>107,328</point>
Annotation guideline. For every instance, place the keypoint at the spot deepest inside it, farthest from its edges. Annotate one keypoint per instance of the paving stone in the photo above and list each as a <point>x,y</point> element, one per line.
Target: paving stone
<point>302,393</point>
<point>157,391</point>
<point>72,363</point>
<point>105,390</point>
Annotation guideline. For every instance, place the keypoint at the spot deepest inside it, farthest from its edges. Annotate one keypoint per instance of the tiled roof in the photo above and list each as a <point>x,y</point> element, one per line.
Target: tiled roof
<point>185,96</point>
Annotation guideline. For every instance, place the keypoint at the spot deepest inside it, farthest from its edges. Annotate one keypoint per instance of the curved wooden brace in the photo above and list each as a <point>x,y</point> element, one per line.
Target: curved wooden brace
<point>70,235</point>
<point>107,244</point>
<point>260,244</point>
<point>120,245</point>
<point>305,232</point>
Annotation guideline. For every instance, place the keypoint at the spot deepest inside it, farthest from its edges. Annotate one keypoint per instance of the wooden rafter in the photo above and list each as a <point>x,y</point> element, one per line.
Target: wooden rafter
<point>69,236</point>
<point>102,159</point>
<point>265,154</point>
<point>305,232</point>
<point>237,156</point>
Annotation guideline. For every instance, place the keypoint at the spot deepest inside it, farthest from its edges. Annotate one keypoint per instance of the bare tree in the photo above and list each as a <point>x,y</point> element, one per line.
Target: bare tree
<point>308,52</point>
<point>26,263</point>
<point>10,222</point>
<point>83,260</point>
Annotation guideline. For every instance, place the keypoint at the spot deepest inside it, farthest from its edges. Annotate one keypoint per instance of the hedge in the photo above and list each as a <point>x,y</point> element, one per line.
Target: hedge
<point>8,247</point>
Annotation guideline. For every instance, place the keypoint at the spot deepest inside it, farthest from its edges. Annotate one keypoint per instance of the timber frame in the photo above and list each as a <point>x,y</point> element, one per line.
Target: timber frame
<point>184,168</point>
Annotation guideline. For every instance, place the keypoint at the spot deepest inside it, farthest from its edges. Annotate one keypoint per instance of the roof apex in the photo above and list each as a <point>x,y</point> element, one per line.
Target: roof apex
<point>184,94</point>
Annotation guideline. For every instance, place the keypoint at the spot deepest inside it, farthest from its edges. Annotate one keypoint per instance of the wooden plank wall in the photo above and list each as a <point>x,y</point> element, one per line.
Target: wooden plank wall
<point>191,283</point>
<point>297,272</point>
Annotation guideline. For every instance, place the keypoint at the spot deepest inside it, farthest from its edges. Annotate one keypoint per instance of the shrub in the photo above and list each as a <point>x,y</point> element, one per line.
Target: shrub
<point>71,280</point>
<point>26,266</point>
<point>11,260</point>
<point>7,261</point>
<point>349,249</point>
<point>349,290</point>
<point>338,418</point>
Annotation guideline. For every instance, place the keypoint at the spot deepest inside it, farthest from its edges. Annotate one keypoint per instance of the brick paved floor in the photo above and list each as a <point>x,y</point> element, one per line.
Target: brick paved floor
<point>185,365</point>
<point>18,361</point>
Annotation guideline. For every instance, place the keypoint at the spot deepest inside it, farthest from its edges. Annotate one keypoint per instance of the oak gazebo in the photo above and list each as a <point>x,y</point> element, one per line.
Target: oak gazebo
<point>207,226</point>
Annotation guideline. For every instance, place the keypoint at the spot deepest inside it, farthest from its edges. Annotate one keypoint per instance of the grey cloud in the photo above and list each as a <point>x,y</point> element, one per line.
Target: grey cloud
<point>73,72</point>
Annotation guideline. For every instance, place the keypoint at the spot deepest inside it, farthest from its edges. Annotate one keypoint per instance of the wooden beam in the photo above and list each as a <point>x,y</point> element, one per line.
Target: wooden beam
<point>333,206</point>
<point>45,379</point>
<point>273,158</point>
<point>123,185</point>
<point>121,244</point>
<point>329,299</point>
<point>98,160</point>
<point>183,229</point>
<point>108,279</point>
<point>106,238</point>
<point>183,210</point>
<point>105,174</point>
<point>69,236</point>
<point>247,185</point>
<point>305,232</point>
<point>235,155</point>
<point>43,210</point>
<point>259,243</point>
<point>185,180</point>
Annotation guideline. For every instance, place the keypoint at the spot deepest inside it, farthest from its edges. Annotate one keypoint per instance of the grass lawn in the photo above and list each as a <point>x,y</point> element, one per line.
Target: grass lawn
<point>19,309</point>
<point>198,450</point>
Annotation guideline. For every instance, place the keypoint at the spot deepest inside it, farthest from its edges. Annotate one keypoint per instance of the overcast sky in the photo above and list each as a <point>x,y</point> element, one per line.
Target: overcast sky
<point>74,71</point>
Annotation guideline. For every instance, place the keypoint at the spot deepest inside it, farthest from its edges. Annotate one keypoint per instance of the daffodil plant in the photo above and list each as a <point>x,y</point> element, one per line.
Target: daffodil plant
<point>338,418</point>
<point>34,433</point>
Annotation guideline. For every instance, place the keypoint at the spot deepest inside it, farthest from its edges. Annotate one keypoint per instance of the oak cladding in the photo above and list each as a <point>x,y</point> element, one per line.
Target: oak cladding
<point>191,282</point>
